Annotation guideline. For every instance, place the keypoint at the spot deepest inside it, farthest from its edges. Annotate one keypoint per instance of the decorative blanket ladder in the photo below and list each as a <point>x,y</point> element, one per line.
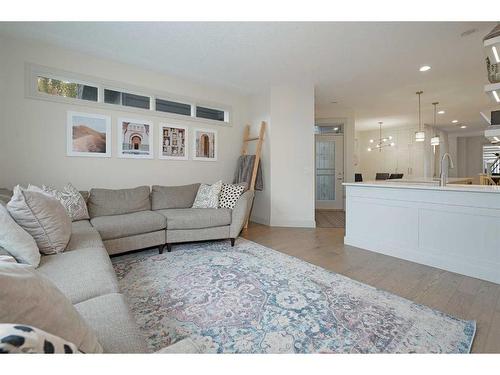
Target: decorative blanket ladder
<point>244,151</point>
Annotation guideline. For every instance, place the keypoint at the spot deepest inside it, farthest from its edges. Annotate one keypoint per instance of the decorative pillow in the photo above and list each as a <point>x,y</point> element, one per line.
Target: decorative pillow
<point>208,196</point>
<point>20,338</point>
<point>71,199</point>
<point>43,217</point>
<point>229,195</point>
<point>28,298</point>
<point>16,241</point>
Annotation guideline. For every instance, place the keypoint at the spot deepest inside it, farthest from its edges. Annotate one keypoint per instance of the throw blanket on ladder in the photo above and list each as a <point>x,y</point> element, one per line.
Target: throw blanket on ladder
<point>244,169</point>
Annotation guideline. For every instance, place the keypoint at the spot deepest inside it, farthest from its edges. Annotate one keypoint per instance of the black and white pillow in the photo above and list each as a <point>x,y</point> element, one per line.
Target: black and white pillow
<point>20,338</point>
<point>229,195</point>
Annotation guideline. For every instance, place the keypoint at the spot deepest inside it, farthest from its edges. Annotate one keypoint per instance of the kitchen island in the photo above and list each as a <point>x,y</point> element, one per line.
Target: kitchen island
<point>455,227</point>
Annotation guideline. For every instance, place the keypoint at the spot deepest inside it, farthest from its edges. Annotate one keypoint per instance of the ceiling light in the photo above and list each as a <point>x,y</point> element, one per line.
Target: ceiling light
<point>371,140</point>
<point>441,112</point>
<point>495,53</point>
<point>369,149</point>
<point>495,95</point>
<point>335,129</point>
<point>463,127</point>
<point>424,68</point>
<point>435,141</point>
<point>454,121</point>
<point>393,144</point>
<point>419,136</point>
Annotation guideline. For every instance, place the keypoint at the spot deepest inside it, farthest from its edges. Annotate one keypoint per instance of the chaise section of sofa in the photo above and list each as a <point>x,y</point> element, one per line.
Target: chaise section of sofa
<point>124,219</point>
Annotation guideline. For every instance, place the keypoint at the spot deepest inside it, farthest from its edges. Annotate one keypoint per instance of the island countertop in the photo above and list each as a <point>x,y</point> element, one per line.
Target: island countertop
<point>428,184</point>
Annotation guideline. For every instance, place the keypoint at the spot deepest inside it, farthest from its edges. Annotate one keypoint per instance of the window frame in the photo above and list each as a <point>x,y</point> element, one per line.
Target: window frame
<point>33,71</point>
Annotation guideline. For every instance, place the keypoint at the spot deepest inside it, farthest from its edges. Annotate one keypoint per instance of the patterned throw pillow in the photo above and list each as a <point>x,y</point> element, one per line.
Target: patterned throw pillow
<point>229,195</point>
<point>71,199</point>
<point>208,196</point>
<point>20,338</point>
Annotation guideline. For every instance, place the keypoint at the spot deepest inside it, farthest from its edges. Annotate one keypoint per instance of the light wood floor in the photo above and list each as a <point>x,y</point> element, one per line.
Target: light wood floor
<point>460,296</point>
<point>330,219</point>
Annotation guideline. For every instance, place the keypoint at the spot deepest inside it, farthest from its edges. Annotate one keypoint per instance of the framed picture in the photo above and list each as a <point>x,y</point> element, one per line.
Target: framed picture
<point>135,138</point>
<point>205,145</point>
<point>173,142</point>
<point>88,135</point>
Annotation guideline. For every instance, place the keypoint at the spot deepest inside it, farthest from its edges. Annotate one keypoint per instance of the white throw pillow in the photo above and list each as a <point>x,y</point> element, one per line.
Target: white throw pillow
<point>208,196</point>
<point>28,298</point>
<point>16,241</point>
<point>229,195</point>
<point>72,201</point>
<point>24,339</point>
<point>43,217</point>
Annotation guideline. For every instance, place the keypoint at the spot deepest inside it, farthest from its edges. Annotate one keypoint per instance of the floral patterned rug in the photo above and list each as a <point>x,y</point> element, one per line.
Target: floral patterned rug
<point>252,299</point>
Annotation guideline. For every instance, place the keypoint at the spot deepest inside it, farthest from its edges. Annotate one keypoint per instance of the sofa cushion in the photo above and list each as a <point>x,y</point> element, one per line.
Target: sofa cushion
<point>163,197</point>
<point>71,199</point>
<point>105,202</point>
<point>28,298</point>
<point>113,323</point>
<point>118,226</point>
<point>208,196</point>
<point>196,218</point>
<point>43,217</point>
<point>84,236</point>
<point>80,274</point>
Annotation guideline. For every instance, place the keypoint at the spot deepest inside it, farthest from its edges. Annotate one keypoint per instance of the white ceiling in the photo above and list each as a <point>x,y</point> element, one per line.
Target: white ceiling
<point>370,68</point>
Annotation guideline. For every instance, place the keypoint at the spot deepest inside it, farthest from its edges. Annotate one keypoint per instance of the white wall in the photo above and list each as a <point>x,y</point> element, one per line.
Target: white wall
<point>292,159</point>
<point>33,132</point>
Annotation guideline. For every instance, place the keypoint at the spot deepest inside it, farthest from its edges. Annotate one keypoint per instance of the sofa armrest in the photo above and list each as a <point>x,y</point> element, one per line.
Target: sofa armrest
<point>240,213</point>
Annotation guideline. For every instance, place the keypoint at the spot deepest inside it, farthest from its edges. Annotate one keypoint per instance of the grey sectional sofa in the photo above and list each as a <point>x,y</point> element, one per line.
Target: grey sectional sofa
<point>121,221</point>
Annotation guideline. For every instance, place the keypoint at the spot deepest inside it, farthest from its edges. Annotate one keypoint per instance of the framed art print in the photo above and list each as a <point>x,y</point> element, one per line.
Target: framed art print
<point>205,145</point>
<point>135,138</point>
<point>88,135</point>
<point>173,142</point>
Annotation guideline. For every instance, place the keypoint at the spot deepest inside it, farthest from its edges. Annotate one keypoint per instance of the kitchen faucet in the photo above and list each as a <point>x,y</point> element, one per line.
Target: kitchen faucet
<point>443,175</point>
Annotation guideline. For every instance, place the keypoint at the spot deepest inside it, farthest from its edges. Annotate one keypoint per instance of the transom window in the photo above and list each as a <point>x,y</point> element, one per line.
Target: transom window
<point>61,86</point>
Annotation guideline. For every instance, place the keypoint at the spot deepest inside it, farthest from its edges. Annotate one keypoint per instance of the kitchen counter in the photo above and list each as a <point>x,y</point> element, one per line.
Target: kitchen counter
<point>455,228</point>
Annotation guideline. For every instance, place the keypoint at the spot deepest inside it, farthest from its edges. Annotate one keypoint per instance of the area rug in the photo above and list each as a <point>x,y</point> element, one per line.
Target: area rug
<point>252,299</point>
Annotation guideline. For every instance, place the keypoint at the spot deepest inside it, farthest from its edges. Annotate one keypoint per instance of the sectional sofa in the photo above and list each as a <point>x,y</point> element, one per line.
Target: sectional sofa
<point>122,221</point>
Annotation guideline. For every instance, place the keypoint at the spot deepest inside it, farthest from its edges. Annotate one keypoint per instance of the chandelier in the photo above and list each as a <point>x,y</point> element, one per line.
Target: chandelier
<point>381,143</point>
<point>435,139</point>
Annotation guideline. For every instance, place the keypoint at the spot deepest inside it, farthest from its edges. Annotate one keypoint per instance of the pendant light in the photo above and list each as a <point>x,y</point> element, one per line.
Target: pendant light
<point>435,139</point>
<point>420,135</point>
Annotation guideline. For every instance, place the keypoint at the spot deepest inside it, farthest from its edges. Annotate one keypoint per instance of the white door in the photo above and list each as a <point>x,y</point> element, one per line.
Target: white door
<point>329,171</point>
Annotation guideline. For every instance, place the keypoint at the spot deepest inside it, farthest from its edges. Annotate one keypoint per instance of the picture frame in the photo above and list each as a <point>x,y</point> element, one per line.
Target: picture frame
<point>173,142</point>
<point>88,135</point>
<point>205,145</point>
<point>135,138</point>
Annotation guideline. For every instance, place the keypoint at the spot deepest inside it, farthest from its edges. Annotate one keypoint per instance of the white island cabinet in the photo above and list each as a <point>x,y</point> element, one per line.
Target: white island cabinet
<point>455,228</point>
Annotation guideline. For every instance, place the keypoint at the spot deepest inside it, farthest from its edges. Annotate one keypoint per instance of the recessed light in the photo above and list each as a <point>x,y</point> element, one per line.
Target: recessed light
<point>424,68</point>
<point>454,121</point>
<point>441,112</point>
<point>463,127</point>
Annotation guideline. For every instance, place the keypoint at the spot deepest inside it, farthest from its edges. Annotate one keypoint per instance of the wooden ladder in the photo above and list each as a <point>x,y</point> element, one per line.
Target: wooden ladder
<point>244,150</point>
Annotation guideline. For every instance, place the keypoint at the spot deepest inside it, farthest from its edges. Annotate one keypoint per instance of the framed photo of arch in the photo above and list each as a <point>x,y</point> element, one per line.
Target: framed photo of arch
<point>135,138</point>
<point>173,143</point>
<point>205,145</point>
<point>88,135</point>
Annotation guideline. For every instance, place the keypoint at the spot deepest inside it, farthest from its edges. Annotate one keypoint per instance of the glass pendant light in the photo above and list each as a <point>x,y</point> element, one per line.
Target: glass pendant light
<point>420,135</point>
<point>435,139</point>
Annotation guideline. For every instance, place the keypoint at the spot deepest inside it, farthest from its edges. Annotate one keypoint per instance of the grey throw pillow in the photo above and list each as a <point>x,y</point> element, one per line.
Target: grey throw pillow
<point>71,199</point>
<point>16,241</point>
<point>43,217</point>
<point>28,298</point>
<point>208,196</point>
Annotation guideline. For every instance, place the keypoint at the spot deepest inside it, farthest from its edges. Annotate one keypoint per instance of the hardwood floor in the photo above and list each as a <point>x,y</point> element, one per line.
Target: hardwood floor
<point>460,296</point>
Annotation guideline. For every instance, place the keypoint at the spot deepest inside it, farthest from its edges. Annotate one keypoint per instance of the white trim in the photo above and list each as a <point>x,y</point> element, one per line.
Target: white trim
<point>32,71</point>
<point>160,142</point>
<point>216,142</point>
<point>69,135</point>
<point>119,122</point>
